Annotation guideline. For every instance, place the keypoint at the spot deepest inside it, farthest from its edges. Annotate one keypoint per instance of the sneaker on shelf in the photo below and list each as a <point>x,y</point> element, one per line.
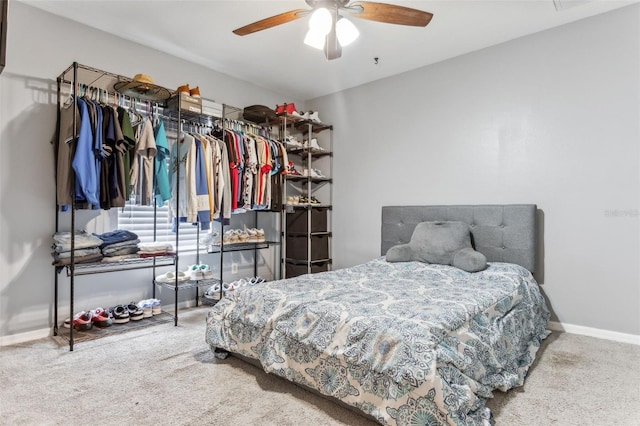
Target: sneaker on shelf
<point>317,173</point>
<point>293,199</point>
<point>120,314</point>
<point>280,109</point>
<point>207,273</point>
<point>147,308</point>
<point>82,321</point>
<point>291,170</point>
<point>184,89</point>
<point>135,312</point>
<point>213,292</point>
<point>313,116</point>
<point>290,108</point>
<point>313,145</point>
<point>194,272</point>
<point>314,200</point>
<point>79,321</point>
<point>101,318</point>
<point>156,306</point>
<point>292,142</point>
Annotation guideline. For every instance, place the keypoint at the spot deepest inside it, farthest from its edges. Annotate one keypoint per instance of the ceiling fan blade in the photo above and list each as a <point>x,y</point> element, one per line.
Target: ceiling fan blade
<point>389,13</point>
<point>270,22</point>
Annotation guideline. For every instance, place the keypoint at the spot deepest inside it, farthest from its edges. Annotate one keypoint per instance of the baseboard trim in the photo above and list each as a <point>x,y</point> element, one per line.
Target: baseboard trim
<point>594,332</point>
<point>15,339</point>
<point>615,336</point>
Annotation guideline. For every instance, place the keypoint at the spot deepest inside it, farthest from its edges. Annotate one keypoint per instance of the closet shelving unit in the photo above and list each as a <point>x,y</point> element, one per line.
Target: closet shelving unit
<point>74,76</point>
<point>306,227</point>
<point>234,114</point>
<point>228,114</point>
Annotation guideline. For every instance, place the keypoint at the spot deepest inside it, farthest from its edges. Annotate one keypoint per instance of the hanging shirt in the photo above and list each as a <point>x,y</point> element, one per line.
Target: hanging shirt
<point>84,161</point>
<point>129,144</point>
<point>142,165</point>
<point>163,188</point>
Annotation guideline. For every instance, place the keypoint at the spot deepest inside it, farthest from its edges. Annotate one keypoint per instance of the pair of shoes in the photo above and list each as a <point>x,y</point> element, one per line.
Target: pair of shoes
<point>313,145</point>
<point>313,116</point>
<point>291,169</point>
<point>292,142</point>
<point>101,317</point>
<point>81,321</point>
<point>213,292</point>
<point>287,108</point>
<point>136,313</point>
<point>256,235</point>
<point>310,200</point>
<point>293,199</point>
<point>195,92</point>
<point>150,307</point>
<point>199,272</point>
<point>120,314</point>
<point>170,277</point>
<point>314,173</point>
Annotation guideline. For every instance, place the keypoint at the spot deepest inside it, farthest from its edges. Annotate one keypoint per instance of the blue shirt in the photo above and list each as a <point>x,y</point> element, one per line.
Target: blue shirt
<point>84,160</point>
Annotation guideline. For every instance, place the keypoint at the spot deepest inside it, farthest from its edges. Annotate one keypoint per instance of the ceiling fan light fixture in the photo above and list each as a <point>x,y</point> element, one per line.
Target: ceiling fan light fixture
<point>347,32</point>
<point>321,21</point>
<point>315,39</point>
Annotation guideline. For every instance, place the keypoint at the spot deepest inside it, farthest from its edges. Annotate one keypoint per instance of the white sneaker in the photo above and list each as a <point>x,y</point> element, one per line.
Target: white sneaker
<point>313,116</point>
<point>292,142</point>
<point>317,173</point>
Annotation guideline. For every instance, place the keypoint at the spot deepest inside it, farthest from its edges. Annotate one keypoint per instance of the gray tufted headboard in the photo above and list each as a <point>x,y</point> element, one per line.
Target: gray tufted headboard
<point>503,233</point>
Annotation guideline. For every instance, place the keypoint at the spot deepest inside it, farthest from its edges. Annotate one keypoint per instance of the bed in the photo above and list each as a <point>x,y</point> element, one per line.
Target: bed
<point>403,343</point>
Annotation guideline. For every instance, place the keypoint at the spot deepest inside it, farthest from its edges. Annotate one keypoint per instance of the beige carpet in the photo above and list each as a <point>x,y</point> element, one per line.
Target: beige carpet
<point>166,375</point>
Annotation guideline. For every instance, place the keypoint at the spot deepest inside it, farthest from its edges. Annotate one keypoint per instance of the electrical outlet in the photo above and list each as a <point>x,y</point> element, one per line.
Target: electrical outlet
<point>234,268</point>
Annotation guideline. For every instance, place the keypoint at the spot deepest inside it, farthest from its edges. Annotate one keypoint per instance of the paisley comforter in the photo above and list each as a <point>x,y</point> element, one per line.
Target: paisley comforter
<point>407,343</point>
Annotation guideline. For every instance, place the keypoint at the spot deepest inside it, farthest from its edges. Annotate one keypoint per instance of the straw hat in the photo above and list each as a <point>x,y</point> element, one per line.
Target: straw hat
<point>142,87</point>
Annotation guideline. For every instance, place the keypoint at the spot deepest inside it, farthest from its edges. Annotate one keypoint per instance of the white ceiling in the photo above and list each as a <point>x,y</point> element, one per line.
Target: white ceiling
<point>277,58</point>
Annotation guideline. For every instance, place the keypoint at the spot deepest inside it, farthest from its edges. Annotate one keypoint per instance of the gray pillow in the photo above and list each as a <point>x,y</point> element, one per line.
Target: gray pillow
<point>444,243</point>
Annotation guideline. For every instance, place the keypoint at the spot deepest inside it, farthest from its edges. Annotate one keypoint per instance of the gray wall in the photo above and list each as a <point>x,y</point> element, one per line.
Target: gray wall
<point>40,47</point>
<point>551,119</point>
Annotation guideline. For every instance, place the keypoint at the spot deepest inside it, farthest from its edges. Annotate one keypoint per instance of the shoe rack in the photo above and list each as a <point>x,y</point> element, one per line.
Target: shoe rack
<point>307,198</point>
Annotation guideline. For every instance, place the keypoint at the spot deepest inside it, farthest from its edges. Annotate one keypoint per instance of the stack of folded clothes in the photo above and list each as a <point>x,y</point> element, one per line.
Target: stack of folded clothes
<point>118,245</point>
<point>86,248</point>
<point>155,248</point>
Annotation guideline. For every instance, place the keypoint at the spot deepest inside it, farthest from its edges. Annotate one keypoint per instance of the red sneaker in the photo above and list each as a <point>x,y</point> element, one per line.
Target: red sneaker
<point>82,321</point>
<point>101,318</point>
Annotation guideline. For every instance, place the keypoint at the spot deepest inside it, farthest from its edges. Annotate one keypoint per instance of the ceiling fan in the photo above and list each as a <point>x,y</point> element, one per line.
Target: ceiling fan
<point>330,30</point>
